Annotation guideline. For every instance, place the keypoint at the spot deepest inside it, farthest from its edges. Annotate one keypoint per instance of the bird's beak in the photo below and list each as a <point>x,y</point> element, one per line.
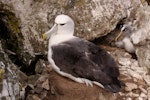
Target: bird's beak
<point>48,34</point>
<point>118,36</point>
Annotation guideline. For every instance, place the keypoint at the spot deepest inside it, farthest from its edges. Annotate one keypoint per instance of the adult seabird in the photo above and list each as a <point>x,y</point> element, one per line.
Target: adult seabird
<point>79,59</point>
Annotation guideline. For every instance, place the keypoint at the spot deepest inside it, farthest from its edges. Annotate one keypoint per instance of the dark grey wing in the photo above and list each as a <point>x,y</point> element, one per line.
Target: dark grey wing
<point>84,59</point>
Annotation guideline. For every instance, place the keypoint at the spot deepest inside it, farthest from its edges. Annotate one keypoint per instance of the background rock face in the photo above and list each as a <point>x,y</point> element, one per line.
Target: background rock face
<point>93,18</point>
<point>141,37</point>
<point>22,23</point>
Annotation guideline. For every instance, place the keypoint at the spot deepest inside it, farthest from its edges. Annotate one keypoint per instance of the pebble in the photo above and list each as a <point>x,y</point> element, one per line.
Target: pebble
<point>130,86</point>
<point>139,98</point>
<point>38,89</point>
<point>45,85</point>
<point>147,79</point>
<point>134,74</point>
<point>42,78</point>
<point>131,94</point>
<point>34,97</point>
<point>129,98</point>
<point>148,89</point>
<point>143,90</point>
<point>125,62</point>
<point>143,95</point>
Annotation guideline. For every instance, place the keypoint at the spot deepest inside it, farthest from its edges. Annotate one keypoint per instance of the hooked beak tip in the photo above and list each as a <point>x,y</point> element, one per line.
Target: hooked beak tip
<point>44,36</point>
<point>48,34</point>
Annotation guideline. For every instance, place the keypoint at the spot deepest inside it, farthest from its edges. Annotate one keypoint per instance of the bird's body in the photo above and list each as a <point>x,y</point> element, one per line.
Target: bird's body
<point>79,59</point>
<point>126,41</point>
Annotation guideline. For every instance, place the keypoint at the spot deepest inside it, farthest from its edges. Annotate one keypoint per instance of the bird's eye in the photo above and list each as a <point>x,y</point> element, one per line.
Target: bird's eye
<point>125,30</point>
<point>62,24</point>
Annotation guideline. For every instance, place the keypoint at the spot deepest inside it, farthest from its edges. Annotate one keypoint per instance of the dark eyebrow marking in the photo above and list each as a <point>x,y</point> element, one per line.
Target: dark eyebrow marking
<point>62,24</point>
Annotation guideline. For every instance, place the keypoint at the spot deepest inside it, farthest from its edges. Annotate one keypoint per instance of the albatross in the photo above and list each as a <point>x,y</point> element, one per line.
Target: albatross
<point>78,59</point>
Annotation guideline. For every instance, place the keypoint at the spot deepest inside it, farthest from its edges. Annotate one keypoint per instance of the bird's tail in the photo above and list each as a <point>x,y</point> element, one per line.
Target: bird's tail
<point>115,86</point>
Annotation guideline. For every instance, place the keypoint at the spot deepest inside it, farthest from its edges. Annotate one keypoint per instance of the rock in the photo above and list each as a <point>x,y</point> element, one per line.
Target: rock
<point>141,36</point>
<point>148,2</point>
<point>38,89</point>
<point>39,66</point>
<point>140,98</point>
<point>143,57</point>
<point>9,81</point>
<point>124,62</point>
<point>89,16</point>
<point>148,89</point>
<point>131,73</point>
<point>134,74</point>
<point>35,97</point>
<point>132,94</point>
<point>142,95</point>
<point>129,98</point>
<point>45,85</point>
<point>147,79</point>
<point>13,40</point>
<point>33,78</point>
<point>23,22</point>
<point>141,32</point>
<point>143,90</point>
<point>41,79</point>
<point>130,86</point>
<point>22,78</point>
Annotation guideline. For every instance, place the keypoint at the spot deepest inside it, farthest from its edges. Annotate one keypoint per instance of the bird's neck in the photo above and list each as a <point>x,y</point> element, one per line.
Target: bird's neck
<point>69,32</point>
<point>59,38</point>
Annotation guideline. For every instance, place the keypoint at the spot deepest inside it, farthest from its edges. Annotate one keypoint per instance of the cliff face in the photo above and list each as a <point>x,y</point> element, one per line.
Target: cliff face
<point>23,51</point>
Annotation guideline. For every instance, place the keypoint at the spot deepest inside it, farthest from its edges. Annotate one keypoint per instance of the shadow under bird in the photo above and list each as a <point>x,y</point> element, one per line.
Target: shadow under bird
<point>79,59</point>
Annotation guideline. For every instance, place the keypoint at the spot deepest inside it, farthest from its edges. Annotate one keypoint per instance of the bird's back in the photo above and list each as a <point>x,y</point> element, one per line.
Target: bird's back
<point>84,59</point>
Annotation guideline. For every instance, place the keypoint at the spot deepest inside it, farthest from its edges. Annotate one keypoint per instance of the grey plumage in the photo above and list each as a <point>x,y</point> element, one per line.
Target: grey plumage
<point>84,59</point>
<point>79,59</point>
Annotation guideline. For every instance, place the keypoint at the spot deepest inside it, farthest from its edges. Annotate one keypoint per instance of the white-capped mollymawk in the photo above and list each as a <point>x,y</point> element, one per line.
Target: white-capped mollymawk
<point>79,59</point>
<point>126,41</point>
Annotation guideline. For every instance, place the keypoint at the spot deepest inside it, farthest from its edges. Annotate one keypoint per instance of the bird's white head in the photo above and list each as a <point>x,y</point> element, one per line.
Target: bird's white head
<point>64,25</point>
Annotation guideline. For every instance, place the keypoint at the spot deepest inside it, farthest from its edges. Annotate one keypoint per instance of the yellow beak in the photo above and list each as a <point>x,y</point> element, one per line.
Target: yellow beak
<point>44,36</point>
<point>50,32</point>
<point>118,36</point>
